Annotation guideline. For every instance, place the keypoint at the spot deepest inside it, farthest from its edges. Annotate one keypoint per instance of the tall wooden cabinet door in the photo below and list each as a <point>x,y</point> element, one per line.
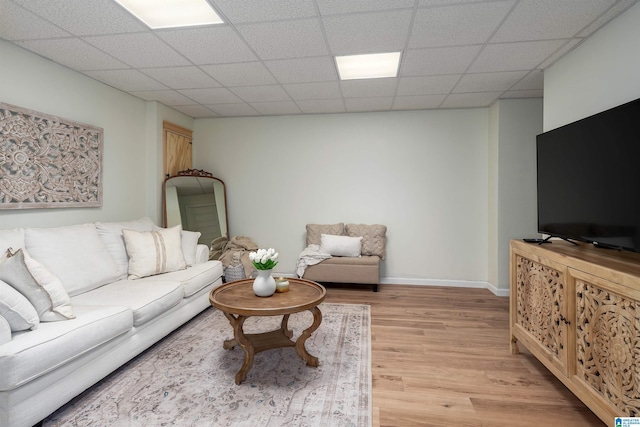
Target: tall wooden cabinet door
<point>607,335</point>
<point>177,149</point>
<point>539,307</point>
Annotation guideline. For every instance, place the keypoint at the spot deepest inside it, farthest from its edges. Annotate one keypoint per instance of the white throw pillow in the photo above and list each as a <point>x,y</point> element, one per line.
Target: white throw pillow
<point>111,235</point>
<point>341,245</point>
<point>190,246</point>
<point>17,309</point>
<point>43,290</point>
<point>154,252</point>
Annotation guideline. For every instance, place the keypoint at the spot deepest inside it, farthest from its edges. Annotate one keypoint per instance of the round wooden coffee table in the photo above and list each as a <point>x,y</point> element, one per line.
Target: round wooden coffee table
<point>238,302</point>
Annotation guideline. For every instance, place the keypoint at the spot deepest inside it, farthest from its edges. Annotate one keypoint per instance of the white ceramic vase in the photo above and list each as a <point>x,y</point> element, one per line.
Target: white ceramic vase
<point>264,285</point>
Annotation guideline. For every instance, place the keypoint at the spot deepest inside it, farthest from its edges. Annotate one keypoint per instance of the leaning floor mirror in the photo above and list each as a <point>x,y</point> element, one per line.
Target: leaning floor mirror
<point>196,200</point>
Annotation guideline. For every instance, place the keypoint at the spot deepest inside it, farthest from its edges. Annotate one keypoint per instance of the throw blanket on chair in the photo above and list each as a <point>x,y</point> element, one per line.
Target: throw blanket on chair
<point>241,245</point>
<point>310,255</point>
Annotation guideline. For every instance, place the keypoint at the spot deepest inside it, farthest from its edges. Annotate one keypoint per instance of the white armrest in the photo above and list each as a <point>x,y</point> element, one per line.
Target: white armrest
<point>202,254</point>
<point>5,331</point>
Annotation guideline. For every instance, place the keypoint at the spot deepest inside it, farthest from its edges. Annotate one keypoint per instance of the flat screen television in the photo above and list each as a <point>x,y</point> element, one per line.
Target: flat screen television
<point>589,179</point>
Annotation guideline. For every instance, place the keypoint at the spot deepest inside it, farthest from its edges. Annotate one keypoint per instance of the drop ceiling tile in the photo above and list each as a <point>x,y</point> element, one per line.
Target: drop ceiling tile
<point>470,100</point>
<point>143,50</point>
<point>74,53</point>
<point>196,111</point>
<point>211,45</point>
<point>368,88</point>
<point>261,93</point>
<point>276,108</point>
<point>234,110</point>
<point>514,56</point>
<point>560,52</point>
<point>422,3</point>
<point>523,94</point>
<point>126,80</point>
<point>303,70</point>
<point>549,19</point>
<point>427,85</point>
<point>488,82</point>
<point>167,97</point>
<point>532,81</point>
<point>264,10</point>
<point>441,60</point>
<point>457,25</point>
<point>335,7</point>
<point>322,106</point>
<point>307,91</point>
<point>216,95</point>
<point>418,102</point>
<point>368,32</point>
<point>17,23</point>
<point>618,8</point>
<point>86,17</point>
<point>181,77</point>
<point>368,104</point>
<point>285,39</point>
<point>240,74</point>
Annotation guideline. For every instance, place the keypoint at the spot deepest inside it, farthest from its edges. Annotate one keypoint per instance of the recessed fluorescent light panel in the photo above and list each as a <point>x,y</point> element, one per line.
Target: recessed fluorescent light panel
<point>371,66</point>
<point>172,13</point>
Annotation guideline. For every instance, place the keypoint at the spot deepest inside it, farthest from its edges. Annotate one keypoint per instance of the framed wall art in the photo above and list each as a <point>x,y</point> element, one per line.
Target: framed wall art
<point>48,162</point>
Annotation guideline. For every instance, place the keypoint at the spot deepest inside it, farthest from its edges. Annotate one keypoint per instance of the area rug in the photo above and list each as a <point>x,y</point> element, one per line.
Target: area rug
<point>187,379</point>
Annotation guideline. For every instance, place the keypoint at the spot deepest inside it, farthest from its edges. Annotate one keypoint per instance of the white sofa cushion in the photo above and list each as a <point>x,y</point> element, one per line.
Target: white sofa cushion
<point>147,299</point>
<point>43,290</point>
<point>75,254</point>
<point>16,309</point>
<point>111,235</point>
<point>31,354</point>
<point>194,278</point>
<point>154,252</point>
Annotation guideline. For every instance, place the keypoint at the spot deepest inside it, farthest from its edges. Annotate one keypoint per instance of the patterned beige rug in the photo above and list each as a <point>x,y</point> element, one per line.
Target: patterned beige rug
<point>187,379</point>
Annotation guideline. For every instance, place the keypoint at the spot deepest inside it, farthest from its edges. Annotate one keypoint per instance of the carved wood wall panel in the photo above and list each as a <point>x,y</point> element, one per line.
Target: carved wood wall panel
<point>48,162</point>
<point>540,294</point>
<point>608,345</point>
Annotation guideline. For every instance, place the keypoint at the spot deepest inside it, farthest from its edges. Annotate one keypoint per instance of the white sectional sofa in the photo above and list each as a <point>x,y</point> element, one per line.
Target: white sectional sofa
<point>114,315</point>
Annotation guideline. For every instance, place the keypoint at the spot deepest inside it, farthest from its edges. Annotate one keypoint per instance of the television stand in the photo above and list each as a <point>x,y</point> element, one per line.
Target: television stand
<point>575,309</point>
<point>559,237</point>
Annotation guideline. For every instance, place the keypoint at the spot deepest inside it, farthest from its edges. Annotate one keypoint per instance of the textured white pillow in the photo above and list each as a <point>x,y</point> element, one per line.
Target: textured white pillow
<point>16,309</point>
<point>154,252</point>
<point>43,290</point>
<point>111,235</point>
<point>190,246</point>
<point>341,245</point>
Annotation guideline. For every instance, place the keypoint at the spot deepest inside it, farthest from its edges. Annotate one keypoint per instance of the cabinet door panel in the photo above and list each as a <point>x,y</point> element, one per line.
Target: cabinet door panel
<point>540,304</point>
<point>608,342</point>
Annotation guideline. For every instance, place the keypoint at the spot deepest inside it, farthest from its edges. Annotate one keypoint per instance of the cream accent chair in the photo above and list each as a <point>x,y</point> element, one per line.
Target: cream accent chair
<point>364,269</point>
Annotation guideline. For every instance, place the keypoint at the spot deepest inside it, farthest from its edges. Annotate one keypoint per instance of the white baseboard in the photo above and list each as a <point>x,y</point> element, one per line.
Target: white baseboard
<point>443,282</point>
<point>500,292</point>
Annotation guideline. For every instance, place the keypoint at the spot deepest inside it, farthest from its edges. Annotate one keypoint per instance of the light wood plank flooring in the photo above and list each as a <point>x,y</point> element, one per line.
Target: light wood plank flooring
<point>440,357</point>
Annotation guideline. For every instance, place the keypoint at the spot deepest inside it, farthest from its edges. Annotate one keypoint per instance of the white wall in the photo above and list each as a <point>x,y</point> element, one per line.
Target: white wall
<point>600,73</point>
<point>132,162</point>
<point>520,120</point>
<point>421,173</point>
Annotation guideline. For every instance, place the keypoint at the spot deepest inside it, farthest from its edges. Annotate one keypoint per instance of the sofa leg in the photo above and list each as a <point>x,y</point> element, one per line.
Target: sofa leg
<point>375,288</point>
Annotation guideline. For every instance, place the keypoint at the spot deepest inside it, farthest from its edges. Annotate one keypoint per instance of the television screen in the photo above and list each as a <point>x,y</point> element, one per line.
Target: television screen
<point>589,179</point>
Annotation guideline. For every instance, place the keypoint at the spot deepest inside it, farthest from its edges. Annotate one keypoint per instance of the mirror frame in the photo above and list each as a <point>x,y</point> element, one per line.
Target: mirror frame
<point>196,173</point>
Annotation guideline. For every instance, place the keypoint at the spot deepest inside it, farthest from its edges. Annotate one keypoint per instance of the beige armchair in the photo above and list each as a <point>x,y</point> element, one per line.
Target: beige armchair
<point>363,269</point>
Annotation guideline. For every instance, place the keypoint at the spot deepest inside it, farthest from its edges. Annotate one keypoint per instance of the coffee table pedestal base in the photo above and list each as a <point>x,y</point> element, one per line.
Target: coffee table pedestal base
<point>255,343</point>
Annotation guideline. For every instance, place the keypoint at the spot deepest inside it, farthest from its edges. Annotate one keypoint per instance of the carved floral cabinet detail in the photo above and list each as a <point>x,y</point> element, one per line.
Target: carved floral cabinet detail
<point>577,309</point>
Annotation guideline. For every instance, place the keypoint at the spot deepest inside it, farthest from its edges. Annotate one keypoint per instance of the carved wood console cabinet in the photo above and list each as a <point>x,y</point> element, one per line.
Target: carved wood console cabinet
<point>577,309</point>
